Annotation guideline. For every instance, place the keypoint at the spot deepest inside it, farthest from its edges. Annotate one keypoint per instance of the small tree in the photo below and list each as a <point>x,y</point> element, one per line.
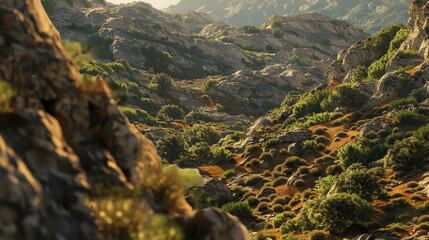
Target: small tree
<point>171,147</point>
<point>407,155</point>
<point>162,83</point>
<point>357,180</point>
<point>351,98</point>
<point>335,213</point>
<point>170,112</point>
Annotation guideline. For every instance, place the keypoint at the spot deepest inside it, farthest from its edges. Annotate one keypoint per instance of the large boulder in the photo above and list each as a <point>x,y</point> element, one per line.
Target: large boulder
<point>62,138</point>
<point>294,136</point>
<point>375,126</point>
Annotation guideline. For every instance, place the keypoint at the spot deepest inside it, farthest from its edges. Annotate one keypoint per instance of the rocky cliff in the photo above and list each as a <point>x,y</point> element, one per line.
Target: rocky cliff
<point>381,64</point>
<point>191,46</point>
<point>369,15</point>
<point>63,138</point>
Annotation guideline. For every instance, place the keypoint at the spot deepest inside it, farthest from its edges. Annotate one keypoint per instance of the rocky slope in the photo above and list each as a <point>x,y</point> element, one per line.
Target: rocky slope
<point>191,46</point>
<point>368,15</point>
<point>299,165</point>
<point>64,140</point>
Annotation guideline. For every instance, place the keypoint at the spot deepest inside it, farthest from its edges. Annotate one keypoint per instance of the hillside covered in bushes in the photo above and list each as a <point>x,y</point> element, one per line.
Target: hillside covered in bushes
<point>125,122</point>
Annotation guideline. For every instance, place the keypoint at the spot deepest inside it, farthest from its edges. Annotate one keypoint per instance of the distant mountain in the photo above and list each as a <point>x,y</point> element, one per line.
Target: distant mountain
<point>370,15</point>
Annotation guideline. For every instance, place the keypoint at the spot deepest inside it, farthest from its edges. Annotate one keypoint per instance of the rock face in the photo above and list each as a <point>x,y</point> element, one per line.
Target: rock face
<point>294,136</point>
<point>299,63</point>
<point>349,59</point>
<point>192,46</point>
<point>370,15</point>
<point>375,126</point>
<point>258,66</point>
<point>60,137</point>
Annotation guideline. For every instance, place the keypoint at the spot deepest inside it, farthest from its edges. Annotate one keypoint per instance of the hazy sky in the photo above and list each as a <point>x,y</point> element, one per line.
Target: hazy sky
<point>155,3</point>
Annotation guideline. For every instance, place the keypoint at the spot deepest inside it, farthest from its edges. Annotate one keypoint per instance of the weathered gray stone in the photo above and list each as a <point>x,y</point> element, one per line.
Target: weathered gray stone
<point>294,136</point>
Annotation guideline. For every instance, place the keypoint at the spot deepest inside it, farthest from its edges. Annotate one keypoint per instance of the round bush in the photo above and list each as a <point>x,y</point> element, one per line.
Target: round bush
<point>238,209</point>
<point>277,208</point>
<point>316,235</point>
<point>299,183</point>
<point>170,112</point>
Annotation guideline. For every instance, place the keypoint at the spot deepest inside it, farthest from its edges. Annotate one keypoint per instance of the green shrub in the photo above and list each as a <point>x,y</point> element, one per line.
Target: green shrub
<point>407,155</point>
<point>134,32</point>
<point>325,184</point>
<point>140,116</point>
<point>295,59</point>
<point>251,29</point>
<point>171,147</point>
<point>299,183</point>
<point>399,38</point>
<point>252,201</point>
<point>199,151</point>
<point>395,204</point>
<point>168,112</point>
<point>401,102</point>
<point>253,180</point>
<point>359,181</point>
<point>424,207</point>
<point>381,40</point>
<point>229,173</point>
<point>219,155</point>
<point>282,218</point>
<point>359,73</point>
<point>149,105</point>
<point>336,213</point>
<point>239,209</point>
<point>198,116</point>
<point>351,98</point>
<point>408,53</point>
<point>277,208</point>
<point>409,118</point>
<point>422,133</point>
<point>393,137</point>
<point>289,226</point>
<point>319,131</point>
<point>317,235</point>
<point>364,152</point>
<point>162,83</point>
<point>202,133</point>
<point>96,68</point>
<point>378,68</point>
<point>6,94</point>
<point>100,45</point>
<point>156,59</point>
<point>310,103</point>
<point>119,90</point>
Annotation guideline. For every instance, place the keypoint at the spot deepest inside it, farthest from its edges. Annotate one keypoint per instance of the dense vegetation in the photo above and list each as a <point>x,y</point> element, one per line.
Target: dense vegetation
<point>323,163</point>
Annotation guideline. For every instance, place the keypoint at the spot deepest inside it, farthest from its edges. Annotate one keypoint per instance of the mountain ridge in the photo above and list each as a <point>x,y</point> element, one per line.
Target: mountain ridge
<point>364,14</point>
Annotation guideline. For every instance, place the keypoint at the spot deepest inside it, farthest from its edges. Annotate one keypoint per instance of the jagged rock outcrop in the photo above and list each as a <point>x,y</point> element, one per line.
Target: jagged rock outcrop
<point>375,126</point>
<point>256,92</point>
<point>418,27</point>
<point>294,136</point>
<point>61,136</point>
<point>125,32</point>
<point>348,59</point>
